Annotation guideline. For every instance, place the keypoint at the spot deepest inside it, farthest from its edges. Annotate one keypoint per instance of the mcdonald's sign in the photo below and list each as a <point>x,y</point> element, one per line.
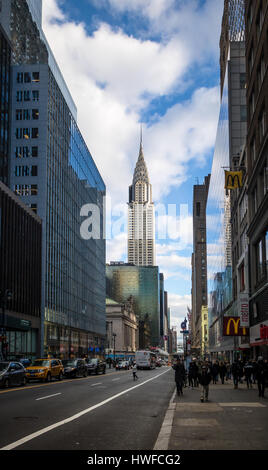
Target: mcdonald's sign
<point>233,179</point>
<point>231,327</point>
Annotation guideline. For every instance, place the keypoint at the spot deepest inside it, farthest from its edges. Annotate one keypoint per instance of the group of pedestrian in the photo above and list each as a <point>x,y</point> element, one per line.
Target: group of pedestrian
<point>204,372</point>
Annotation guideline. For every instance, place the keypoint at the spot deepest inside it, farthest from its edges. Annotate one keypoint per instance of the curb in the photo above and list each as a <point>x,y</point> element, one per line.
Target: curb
<point>166,429</point>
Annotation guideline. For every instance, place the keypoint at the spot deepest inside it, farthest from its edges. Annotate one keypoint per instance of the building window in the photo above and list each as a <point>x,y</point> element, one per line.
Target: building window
<point>19,77</point>
<point>19,96</point>
<point>26,115</point>
<point>198,209</point>
<point>35,134</point>
<point>242,278</point>
<point>243,81</point>
<point>26,95</point>
<point>36,77</point>
<point>34,190</point>
<point>35,114</point>
<point>34,170</point>
<point>259,260</point>
<point>243,113</point>
<point>34,151</point>
<point>35,95</point>
<point>27,77</point>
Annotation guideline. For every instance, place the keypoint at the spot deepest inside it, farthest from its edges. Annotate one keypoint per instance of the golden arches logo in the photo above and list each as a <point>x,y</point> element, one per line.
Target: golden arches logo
<point>233,179</point>
<point>236,323</point>
<point>237,330</point>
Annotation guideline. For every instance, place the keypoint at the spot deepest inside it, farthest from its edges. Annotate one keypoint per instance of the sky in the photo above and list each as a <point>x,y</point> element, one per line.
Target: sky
<point>155,63</point>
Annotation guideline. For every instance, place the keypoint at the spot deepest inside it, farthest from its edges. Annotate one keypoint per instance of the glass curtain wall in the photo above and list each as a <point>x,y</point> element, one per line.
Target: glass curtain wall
<point>75,267</point>
<point>219,231</point>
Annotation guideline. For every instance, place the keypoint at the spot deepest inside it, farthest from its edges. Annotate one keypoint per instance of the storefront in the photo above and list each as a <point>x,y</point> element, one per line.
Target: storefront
<point>259,340</point>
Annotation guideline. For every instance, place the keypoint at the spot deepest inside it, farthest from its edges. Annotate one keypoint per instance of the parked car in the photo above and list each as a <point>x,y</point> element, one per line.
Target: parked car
<point>25,362</point>
<point>12,373</point>
<point>95,366</point>
<point>45,370</point>
<point>74,368</point>
<point>123,365</point>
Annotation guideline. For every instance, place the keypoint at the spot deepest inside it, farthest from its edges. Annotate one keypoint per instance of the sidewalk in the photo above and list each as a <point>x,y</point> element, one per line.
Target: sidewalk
<point>231,420</point>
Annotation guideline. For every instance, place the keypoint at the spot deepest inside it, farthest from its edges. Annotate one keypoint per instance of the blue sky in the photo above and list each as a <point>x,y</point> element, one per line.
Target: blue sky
<point>155,62</point>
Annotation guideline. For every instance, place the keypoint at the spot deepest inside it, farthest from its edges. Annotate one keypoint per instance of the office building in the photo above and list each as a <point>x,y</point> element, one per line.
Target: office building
<point>257,155</point>
<point>53,172</point>
<point>141,217</point>
<point>143,284</point>
<point>20,278</point>
<point>222,235</point>
<point>199,261</point>
<point>5,62</point>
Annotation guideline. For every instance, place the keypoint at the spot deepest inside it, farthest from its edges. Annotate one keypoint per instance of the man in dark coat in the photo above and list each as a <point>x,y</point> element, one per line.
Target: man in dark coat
<point>204,379</point>
<point>235,369</point>
<point>261,376</point>
<point>179,376</point>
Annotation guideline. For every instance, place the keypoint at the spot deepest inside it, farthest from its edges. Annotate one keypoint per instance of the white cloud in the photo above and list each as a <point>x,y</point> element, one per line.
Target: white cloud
<point>112,78</point>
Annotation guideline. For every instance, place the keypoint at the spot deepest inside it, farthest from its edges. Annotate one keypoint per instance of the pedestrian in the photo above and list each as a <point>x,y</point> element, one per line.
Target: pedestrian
<point>204,379</point>
<point>255,367</point>
<point>235,369</point>
<point>228,374</point>
<point>222,371</point>
<point>134,372</point>
<point>261,376</point>
<point>195,374</point>
<point>248,371</point>
<point>180,374</point>
<point>215,372</point>
<point>190,375</point>
<point>241,370</point>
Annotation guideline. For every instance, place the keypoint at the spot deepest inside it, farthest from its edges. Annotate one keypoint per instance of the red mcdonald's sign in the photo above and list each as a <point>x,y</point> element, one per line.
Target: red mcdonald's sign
<point>231,327</point>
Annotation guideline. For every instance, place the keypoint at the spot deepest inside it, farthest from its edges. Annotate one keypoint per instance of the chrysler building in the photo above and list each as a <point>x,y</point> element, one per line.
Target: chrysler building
<point>141,218</point>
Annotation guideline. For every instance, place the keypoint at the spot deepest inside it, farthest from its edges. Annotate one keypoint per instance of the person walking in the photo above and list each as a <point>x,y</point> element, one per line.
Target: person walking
<point>222,371</point>
<point>215,372</point>
<point>235,369</point>
<point>180,374</point>
<point>261,376</point>
<point>204,379</point>
<point>248,371</point>
<point>134,372</point>
<point>190,375</point>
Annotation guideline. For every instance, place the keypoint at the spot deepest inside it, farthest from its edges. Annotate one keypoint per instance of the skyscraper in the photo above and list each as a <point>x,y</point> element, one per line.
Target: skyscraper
<point>141,218</point>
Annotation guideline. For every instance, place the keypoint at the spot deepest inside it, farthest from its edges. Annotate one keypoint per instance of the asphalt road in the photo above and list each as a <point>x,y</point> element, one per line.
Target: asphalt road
<point>104,412</point>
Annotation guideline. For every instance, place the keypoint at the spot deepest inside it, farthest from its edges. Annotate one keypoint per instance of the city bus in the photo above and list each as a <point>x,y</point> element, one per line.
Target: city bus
<point>145,359</point>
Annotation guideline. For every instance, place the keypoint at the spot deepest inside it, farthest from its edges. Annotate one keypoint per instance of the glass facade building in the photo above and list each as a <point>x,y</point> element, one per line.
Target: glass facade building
<point>141,282</point>
<point>219,269</point>
<point>53,172</point>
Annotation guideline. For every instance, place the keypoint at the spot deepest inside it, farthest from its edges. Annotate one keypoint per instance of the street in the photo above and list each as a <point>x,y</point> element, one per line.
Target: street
<point>104,412</point>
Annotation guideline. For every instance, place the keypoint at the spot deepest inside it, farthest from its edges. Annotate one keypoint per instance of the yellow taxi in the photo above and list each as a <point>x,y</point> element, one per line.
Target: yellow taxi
<point>45,370</point>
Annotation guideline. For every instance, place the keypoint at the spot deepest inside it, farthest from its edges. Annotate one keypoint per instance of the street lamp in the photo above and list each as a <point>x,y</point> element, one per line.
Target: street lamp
<point>114,336</point>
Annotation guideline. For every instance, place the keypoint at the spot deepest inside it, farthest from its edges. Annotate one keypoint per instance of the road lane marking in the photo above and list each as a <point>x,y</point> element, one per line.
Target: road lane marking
<point>76,416</point>
<point>94,385</point>
<point>246,405</point>
<point>114,380</point>
<point>48,396</point>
